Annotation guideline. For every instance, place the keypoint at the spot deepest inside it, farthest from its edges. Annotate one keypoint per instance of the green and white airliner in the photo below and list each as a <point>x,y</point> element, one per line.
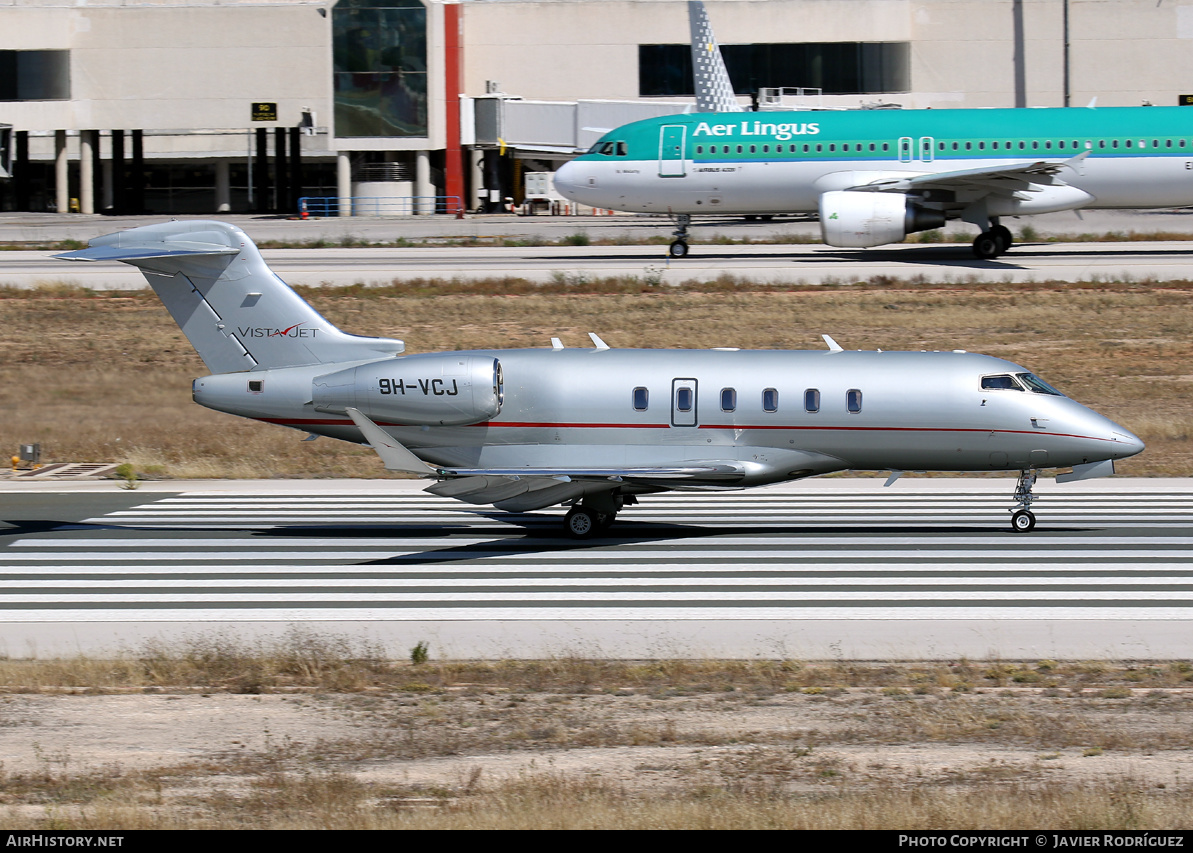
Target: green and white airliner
<point>876,176</point>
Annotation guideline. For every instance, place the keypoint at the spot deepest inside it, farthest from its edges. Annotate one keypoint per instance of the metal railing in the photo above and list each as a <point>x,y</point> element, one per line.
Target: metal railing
<point>419,205</point>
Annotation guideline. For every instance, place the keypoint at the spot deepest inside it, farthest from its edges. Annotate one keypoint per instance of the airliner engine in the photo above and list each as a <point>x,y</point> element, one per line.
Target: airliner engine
<point>854,219</point>
<point>439,389</point>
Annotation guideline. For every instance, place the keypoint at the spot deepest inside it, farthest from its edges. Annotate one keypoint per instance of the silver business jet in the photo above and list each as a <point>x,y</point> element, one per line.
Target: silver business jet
<point>596,427</point>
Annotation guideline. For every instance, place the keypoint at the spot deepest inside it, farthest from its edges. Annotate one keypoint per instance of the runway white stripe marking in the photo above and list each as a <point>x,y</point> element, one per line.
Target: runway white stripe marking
<point>1002,538</point>
<point>479,563</point>
<point>674,585</point>
<point>941,572</point>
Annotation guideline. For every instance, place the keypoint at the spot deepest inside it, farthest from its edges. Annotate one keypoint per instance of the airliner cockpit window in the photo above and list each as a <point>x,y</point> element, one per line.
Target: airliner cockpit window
<point>1038,385</point>
<point>1000,383</point>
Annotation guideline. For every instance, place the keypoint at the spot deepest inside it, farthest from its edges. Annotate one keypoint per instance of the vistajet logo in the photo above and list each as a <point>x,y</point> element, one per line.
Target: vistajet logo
<point>295,331</point>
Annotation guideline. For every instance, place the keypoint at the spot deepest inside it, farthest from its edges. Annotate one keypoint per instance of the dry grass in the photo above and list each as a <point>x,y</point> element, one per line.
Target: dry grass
<point>695,744</point>
<point>105,376</point>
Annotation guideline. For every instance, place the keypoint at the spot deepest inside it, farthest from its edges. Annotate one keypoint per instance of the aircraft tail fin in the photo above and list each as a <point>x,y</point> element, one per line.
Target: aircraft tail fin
<point>714,91</point>
<point>234,310</point>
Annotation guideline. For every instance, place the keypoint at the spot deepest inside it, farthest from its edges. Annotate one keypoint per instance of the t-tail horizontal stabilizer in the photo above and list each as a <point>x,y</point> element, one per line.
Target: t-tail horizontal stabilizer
<point>236,313</point>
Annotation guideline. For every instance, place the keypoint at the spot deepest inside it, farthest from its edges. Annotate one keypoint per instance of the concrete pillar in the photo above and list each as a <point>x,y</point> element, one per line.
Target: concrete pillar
<point>344,183</point>
<point>423,188</point>
<point>476,178</point>
<point>223,187</point>
<point>88,142</point>
<point>61,173</point>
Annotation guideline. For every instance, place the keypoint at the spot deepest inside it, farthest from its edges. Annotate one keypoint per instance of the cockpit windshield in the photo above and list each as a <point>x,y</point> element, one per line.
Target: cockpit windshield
<point>609,148</point>
<point>1004,382</point>
<point>1018,382</point>
<point>1037,384</point>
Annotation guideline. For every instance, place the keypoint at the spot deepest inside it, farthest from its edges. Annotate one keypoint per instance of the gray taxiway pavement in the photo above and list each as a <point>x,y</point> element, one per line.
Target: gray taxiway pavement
<point>828,568</point>
<point>808,263</point>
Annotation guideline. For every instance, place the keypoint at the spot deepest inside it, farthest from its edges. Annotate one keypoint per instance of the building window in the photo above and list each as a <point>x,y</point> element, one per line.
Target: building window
<point>34,75</point>
<point>839,68</point>
<point>379,50</point>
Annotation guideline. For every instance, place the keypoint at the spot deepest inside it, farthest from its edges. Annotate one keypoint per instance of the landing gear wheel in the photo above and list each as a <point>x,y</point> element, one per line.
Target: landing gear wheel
<point>678,249</point>
<point>581,522</point>
<point>1003,235</point>
<point>987,246</point>
<point>1024,521</point>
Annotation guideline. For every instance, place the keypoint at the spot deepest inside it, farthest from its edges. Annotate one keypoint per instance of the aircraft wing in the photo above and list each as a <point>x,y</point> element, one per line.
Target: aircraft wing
<point>1009,178</point>
<point>524,489</point>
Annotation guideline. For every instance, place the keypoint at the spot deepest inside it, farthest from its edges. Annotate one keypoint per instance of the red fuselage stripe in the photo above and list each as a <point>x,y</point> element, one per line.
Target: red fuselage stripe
<point>739,428</point>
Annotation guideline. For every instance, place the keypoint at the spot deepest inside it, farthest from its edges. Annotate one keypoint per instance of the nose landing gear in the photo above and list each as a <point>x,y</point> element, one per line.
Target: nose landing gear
<point>1023,520</point>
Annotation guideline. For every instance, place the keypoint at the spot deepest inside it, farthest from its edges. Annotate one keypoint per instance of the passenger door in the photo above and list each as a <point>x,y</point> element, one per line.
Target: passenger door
<point>672,163</point>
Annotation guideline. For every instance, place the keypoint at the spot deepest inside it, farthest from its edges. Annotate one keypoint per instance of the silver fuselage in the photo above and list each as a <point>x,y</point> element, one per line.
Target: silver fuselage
<point>575,408</point>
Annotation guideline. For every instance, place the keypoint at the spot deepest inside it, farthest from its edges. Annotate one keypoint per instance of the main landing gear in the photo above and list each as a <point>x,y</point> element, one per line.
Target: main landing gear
<point>990,244</point>
<point>594,515</point>
<point>679,247</point>
<point>1023,520</point>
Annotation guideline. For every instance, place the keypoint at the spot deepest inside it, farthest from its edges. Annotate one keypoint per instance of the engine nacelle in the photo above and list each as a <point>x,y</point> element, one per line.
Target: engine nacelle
<point>853,219</point>
<point>439,389</point>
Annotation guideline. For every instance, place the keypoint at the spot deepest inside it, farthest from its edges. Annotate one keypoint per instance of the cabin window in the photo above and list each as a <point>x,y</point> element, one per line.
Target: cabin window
<point>994,145</point>
<point>807,148</point>
<point>739,149</point>
<point>1168,143</point>
<point>956,146</point>
<point>641,399</point>
<point>1128,142</point>
<point>1037,384</point>
<point>872,147</point>
<point>1035,144</point>
<point>981,146</point>
<point>770,400</point>
<point>728,399</point>
<point>1101,143</point>
<point>256,386</point>
<point>765,149</point>
<point>812,400</point>
<point>819,147</point>
<point>832,147</point>
<point>1114,143</point>
<point>683,399</point>
<point>853,400</point>
<point>886,146</point>
<point>1048,143</point>
<point>969,146</point>
<point>1000,383</point>
<point>793,148</point>
<point>753,149</point>
<point>1155,143</point>
<point>699,149</point>
<point>1022,145</point>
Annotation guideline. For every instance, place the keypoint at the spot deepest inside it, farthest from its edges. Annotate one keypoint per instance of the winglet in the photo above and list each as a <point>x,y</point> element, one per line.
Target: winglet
<point>394,455</point>
<point>832,345</point>
<point>597,342</point>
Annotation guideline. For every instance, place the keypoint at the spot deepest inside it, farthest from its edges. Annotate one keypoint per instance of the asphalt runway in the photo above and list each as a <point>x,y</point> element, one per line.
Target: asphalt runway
<point>829,568</point>
<point>808,264</point>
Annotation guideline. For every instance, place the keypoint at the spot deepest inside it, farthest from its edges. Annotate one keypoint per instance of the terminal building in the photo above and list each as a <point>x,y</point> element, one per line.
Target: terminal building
<point>424,106</point>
